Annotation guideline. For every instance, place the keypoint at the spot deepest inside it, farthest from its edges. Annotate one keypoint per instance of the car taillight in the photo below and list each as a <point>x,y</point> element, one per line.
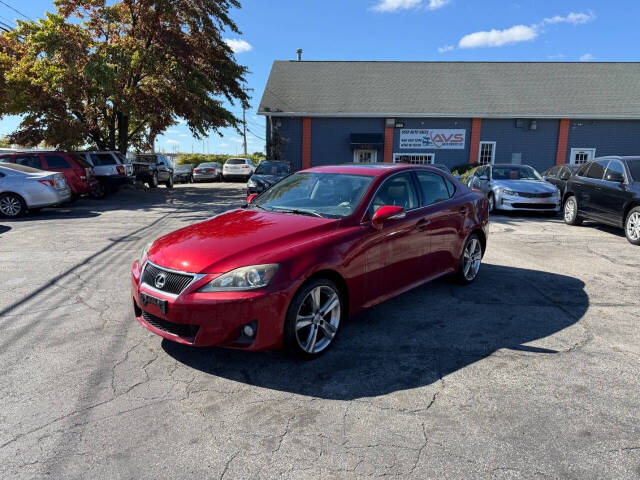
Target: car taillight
<point>120,169</point>
<point>48,183</point>
<point>212,170</point>
<point>245,166</point>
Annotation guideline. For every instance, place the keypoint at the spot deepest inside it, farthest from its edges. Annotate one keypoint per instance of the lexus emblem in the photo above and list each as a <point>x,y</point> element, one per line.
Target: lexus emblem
<point>160,280</point>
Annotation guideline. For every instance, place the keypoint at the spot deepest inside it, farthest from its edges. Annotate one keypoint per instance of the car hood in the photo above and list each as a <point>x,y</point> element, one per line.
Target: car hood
<point>268,179</point>
<point>526,186</point>
<point>234,239</point>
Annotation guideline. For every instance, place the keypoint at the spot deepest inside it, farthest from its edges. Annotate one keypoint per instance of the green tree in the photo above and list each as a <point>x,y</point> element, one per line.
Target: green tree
<point>118,75</point>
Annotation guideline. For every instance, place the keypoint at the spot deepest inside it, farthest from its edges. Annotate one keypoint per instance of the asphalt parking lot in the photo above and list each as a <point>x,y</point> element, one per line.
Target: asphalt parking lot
<point>531,372</point>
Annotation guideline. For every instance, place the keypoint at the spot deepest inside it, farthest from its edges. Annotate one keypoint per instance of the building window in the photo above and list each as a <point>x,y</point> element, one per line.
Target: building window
<point>581,155</point>
<point>422,159</point>
<point>365,156</point>
<point>487,153</point>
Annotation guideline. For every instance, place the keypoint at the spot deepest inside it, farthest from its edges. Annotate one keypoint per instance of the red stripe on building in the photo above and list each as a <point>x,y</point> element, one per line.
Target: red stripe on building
<point>563,141</point>
<point>306,142</point>
<point>476,131</point>
<point>388,144</point>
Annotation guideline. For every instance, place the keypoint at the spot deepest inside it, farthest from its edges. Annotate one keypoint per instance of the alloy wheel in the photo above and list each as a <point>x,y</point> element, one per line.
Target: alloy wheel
<point>10,206</point>
<point>569,210</point>
<point>472,259</point>
<point>318,319</point>
<point>633,226</point>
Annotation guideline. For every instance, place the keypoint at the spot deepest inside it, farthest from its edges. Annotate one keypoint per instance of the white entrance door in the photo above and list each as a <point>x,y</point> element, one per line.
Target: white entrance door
<point>365,156</point>
<point>581,155</point>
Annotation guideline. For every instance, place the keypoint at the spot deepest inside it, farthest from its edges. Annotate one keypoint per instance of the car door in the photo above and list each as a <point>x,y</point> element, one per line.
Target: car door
<point>564,173</point>
<point>483,180</point>
<point>613,193</point>
<point>393,253</point>
<point>442,221</point>
<point>552,176</point>
<point>592,189</point>
<point>164,171</point>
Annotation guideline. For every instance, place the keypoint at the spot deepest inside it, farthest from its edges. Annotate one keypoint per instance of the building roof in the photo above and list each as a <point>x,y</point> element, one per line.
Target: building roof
<point>454,89</point>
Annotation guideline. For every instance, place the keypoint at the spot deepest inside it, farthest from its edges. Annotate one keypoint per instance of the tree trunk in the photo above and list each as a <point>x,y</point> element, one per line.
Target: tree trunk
<point>123,132</point>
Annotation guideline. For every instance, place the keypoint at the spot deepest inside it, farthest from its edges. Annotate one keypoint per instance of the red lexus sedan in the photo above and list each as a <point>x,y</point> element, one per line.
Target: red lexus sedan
<point>293,264</point>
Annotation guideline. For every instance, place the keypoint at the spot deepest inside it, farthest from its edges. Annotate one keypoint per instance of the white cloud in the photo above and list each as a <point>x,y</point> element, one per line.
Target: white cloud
<point>587,57</point>
<point>238,45</point>
<point>573,18</point>
<point>497,38</point>
<point>172,141</point>
<point>183,135</point>
<point>395,5</point>
<point>446,48</point>
<point>436,4</point>
<point>237,140</point>
<point>223,145</point>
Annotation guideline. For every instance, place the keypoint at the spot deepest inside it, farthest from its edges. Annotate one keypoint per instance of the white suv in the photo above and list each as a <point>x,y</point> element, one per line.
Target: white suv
<point>111,170</point>
<point>235,168</point>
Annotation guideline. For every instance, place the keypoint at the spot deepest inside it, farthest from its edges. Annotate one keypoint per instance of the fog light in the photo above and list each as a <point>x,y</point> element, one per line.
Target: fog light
<point>248,331</point>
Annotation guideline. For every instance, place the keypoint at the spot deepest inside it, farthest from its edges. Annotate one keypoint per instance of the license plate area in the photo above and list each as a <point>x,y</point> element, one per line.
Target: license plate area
<point>146,299</point>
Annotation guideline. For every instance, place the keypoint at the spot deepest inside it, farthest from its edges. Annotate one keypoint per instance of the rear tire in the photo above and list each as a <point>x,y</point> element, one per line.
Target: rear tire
<point>313,318</point>
<point>632,226</point>
<point>169,183</point>
<point>470,260</point>
<point>100,191</point>
<point>12,205</point>
<point>153,182</point>
<point>570,211</point>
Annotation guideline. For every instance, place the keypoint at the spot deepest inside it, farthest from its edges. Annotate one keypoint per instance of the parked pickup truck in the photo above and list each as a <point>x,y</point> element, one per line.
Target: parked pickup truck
<point>153,169</point>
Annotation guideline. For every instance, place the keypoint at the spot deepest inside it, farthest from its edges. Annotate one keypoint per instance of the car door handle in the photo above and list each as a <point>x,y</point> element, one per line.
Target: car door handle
<point>423,223</point>
<point>598,188</point>
<point>463,211</point>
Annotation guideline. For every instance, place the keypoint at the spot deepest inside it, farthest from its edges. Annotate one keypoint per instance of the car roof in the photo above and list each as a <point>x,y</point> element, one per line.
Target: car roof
<point>618,157</point>
<point>371,169</point>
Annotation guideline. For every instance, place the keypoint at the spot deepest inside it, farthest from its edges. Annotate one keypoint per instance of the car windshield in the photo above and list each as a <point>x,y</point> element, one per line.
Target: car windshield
<point>183,168</point>
<point>147,158</point>
<point>273,168</point>
<point>236,161</point>
<point>515,173</point>
<point>208,165</point>
<point>331,195</point>
<point>634,168</point>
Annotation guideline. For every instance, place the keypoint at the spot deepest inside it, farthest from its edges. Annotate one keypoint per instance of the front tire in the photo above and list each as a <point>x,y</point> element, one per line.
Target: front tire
<point>12,205</point>
<point>470,260</point>
<point>313,318</point>
<point>169,183</point>
<point>632,226</point>
<point>492,203</point>
<point>153,183</point>
<point>570,213</point>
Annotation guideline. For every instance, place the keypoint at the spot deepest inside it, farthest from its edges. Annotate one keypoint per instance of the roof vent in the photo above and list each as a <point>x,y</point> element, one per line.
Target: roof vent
<point>299,52</point>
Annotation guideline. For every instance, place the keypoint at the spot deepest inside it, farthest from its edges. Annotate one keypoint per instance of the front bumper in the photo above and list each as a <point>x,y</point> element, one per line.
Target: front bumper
<point>212,319</point>
<point>518,203</point>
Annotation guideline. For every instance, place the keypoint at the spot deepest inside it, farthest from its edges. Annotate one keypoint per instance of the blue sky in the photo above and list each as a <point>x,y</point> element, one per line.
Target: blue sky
<point>527,30</point>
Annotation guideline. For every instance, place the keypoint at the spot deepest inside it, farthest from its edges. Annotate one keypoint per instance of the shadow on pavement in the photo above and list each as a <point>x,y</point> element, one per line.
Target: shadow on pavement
<point>414,339</point>
<point>4,229</point>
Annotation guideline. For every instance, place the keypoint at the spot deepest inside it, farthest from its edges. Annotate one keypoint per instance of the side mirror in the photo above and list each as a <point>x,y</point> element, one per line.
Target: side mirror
<point>386,213</point>
<point>484,177</point>
<point>251,198</point>
<point>614,177</point>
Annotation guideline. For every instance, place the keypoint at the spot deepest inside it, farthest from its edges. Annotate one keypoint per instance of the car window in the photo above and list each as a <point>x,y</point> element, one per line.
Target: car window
<point>615,168</point>
<point>56,161</point>
<point>515,172</point>
<point>434,189</point>
<point>236,161</point>
<point>450,186</point>
<point>634,168</point>
<point>102,159</point>
<point>564,173</point>
<point>582,171</point>
<point>273,168</point>
<point>32,161</point>
<point>551,173</point>
<point>4,158</point>
<point>596,170</point>
<point>398,191</point>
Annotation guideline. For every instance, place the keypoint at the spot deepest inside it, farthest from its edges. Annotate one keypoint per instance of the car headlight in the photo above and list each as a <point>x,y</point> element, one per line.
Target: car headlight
<point>143,255</point>
<point>252,183</point>
<point>507,191</point>
<point>243,278</point>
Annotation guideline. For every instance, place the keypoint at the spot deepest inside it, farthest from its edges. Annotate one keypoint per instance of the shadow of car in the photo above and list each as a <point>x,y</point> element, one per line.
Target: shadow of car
<point>415,339</point>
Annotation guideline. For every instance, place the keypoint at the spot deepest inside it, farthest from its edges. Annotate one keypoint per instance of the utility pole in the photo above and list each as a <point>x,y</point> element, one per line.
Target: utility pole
<point>244,123</point>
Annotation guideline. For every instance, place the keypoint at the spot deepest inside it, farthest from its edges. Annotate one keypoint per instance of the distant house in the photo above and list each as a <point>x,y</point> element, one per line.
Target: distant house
<point>535,113</point>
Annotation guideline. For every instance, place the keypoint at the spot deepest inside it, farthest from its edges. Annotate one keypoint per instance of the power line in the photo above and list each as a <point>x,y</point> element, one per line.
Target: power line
<point>16,10</point>
<point>257,136</point>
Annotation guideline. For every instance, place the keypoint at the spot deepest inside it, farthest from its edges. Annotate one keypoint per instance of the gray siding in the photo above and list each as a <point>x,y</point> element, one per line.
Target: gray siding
<point>451,158</point>
<point>331,138</point>
<point>608,137</point>
<point>538,147</point>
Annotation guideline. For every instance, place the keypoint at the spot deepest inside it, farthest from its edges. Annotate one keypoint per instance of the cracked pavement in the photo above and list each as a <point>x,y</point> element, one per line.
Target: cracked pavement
<point>531,372</point>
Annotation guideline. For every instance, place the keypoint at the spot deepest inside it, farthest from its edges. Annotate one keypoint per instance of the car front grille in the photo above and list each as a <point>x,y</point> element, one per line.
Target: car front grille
<point>183,330</point>
<point>174,283</point>
<point>535,195</point>
<point>535,206</point>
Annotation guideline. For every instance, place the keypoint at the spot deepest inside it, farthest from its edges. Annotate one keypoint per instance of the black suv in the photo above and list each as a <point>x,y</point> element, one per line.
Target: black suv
<point>606,190</point>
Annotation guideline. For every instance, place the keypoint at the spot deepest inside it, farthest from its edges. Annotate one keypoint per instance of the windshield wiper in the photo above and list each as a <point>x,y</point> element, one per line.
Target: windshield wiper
<point>298,211</point>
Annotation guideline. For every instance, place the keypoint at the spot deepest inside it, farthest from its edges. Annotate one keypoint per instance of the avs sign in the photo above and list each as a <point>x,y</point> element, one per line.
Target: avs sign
<point>431,138</point>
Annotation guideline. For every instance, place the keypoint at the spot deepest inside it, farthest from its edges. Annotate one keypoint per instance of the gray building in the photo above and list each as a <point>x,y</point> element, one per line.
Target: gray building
<point>535,113</point>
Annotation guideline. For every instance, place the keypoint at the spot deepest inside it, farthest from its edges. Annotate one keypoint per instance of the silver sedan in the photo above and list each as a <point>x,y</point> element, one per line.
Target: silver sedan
<point>24,188</point>
<point>515,187</point>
